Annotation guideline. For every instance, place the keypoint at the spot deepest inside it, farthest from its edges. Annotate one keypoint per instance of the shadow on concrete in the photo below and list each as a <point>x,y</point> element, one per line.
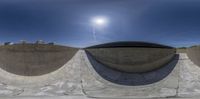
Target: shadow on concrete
<point>132,79</point>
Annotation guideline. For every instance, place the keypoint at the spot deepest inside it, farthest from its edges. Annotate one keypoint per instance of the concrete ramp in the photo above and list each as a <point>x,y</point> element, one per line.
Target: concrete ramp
<point>131,79</point>
<point>130,70</point>
<point>102,82</point>
<point>181,83</point>
<point>34,59</point>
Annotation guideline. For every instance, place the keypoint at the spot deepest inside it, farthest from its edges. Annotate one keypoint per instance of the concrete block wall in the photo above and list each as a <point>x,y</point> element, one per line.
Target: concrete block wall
<point>34,59</point>
<point>133,59</point>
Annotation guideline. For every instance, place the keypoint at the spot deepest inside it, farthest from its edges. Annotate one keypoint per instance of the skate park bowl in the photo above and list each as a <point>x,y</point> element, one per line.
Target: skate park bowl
<point>194,54</point>
<point>130,63</point>
<point>34,59</point>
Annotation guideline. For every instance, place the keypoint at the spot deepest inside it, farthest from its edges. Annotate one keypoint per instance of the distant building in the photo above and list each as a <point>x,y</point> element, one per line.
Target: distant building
<point>39,42</point>
<point>8,43</point>
<point>51,43</point>
<point>23,42</point>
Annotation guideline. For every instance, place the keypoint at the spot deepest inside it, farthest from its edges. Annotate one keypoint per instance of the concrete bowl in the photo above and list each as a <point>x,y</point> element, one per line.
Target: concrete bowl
<point>132,57</point>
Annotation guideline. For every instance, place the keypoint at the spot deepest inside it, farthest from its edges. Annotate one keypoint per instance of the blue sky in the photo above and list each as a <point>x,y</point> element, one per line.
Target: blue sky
<point>68,22</point>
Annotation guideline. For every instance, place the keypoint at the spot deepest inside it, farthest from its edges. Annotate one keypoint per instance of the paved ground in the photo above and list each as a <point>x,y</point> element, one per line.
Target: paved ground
<point>81,97</point>
<point>80,79</point>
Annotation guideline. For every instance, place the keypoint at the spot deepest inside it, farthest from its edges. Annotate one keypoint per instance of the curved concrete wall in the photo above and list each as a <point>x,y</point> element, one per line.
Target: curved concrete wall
<point>34,60</point>
<point>194,54</point>
<point>133,59</point>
